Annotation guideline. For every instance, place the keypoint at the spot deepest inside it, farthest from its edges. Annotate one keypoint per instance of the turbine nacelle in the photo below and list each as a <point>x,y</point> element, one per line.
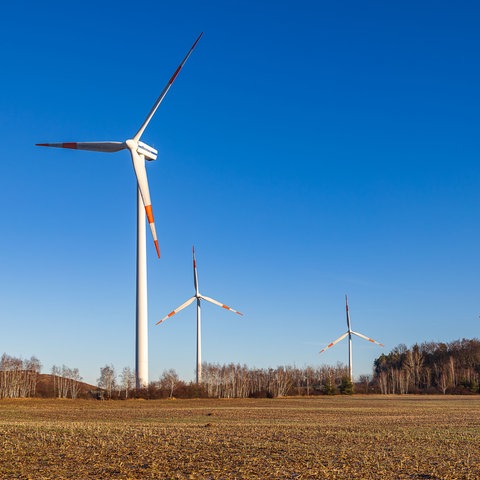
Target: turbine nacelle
<point>142,149</point>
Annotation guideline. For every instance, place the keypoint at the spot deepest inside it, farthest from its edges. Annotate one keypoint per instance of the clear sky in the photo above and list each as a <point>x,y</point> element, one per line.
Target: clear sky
<point>308,149</point>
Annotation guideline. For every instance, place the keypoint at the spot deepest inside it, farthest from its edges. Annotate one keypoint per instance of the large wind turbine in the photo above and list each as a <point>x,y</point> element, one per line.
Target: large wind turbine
<point>198,297</point>
<point>349,332</point>
<point>139,152</point>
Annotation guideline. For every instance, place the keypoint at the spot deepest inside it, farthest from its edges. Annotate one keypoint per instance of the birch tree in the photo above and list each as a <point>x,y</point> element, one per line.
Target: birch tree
<point>107,379</point>
<point>169,381</point>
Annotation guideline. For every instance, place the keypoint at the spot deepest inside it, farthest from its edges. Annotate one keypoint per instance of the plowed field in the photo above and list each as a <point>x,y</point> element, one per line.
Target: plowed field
<point>367,437</point>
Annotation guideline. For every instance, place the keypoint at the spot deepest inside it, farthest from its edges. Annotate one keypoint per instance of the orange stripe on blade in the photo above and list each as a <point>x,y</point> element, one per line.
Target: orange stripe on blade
<point>224,306</point>
<point>70,145</point>
<point>157,248</point>
<point>148,210</point>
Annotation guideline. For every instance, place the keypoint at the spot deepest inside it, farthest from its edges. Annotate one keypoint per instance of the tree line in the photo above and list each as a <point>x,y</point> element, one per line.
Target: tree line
<point>66,382</point>
<point>230,381</point>
<point>426,368</point>
<point>430,367</point>
<point>18,378</point>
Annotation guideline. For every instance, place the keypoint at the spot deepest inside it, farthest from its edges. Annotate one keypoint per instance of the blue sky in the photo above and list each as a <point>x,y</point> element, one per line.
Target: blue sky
<point>308,149</point>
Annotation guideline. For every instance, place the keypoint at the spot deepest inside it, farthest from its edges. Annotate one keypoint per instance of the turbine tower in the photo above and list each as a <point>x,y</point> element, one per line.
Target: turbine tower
<point>197,297</point>
<point>139,152</point>
<point>349,332</point>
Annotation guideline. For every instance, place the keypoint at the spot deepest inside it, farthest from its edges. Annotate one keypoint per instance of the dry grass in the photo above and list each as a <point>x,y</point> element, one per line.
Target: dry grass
<point>298,438</point>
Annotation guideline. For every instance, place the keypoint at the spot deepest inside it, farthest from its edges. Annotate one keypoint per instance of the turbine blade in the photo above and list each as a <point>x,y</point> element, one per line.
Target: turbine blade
<point>92,146</point>
<point>226,307</point>
<point>142,181</point>
<point>334,342</point>
<point>164,92</point>
<point>195,276</point>
<point>181,307</point>
<point>369,339</point>
<point>348,314</point>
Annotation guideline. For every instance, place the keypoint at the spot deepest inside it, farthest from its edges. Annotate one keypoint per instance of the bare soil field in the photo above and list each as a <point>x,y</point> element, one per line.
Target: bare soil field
<point>367,437</point>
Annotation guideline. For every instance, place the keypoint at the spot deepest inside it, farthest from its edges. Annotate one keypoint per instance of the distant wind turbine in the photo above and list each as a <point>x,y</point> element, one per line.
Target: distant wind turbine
<point>198,297</point>
<point>349,332</point>
<point>139,152</point>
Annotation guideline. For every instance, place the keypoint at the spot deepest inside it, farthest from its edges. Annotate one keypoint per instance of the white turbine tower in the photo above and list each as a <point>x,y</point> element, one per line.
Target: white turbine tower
<point>349,332</point>
<point>198,297</point>
<point>139,152</point>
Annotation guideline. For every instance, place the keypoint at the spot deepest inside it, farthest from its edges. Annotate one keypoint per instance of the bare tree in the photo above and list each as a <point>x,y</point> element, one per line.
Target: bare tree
<point>127,381</point>
<point>55,374</point>
<point>107,379</point>
<point>75,379</point>
<point>169,381</point>
<point>282,381</point>
<point>18,378</point>
<point>66,381</point>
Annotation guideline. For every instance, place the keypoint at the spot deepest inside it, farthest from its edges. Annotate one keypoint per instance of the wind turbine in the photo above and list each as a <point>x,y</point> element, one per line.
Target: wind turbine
<point>139,152</point>
<point>198,297</point>
<point>349,332</point>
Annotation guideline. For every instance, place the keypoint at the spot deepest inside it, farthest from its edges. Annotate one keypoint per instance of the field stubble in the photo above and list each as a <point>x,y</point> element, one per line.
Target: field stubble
<point>371,437</point>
